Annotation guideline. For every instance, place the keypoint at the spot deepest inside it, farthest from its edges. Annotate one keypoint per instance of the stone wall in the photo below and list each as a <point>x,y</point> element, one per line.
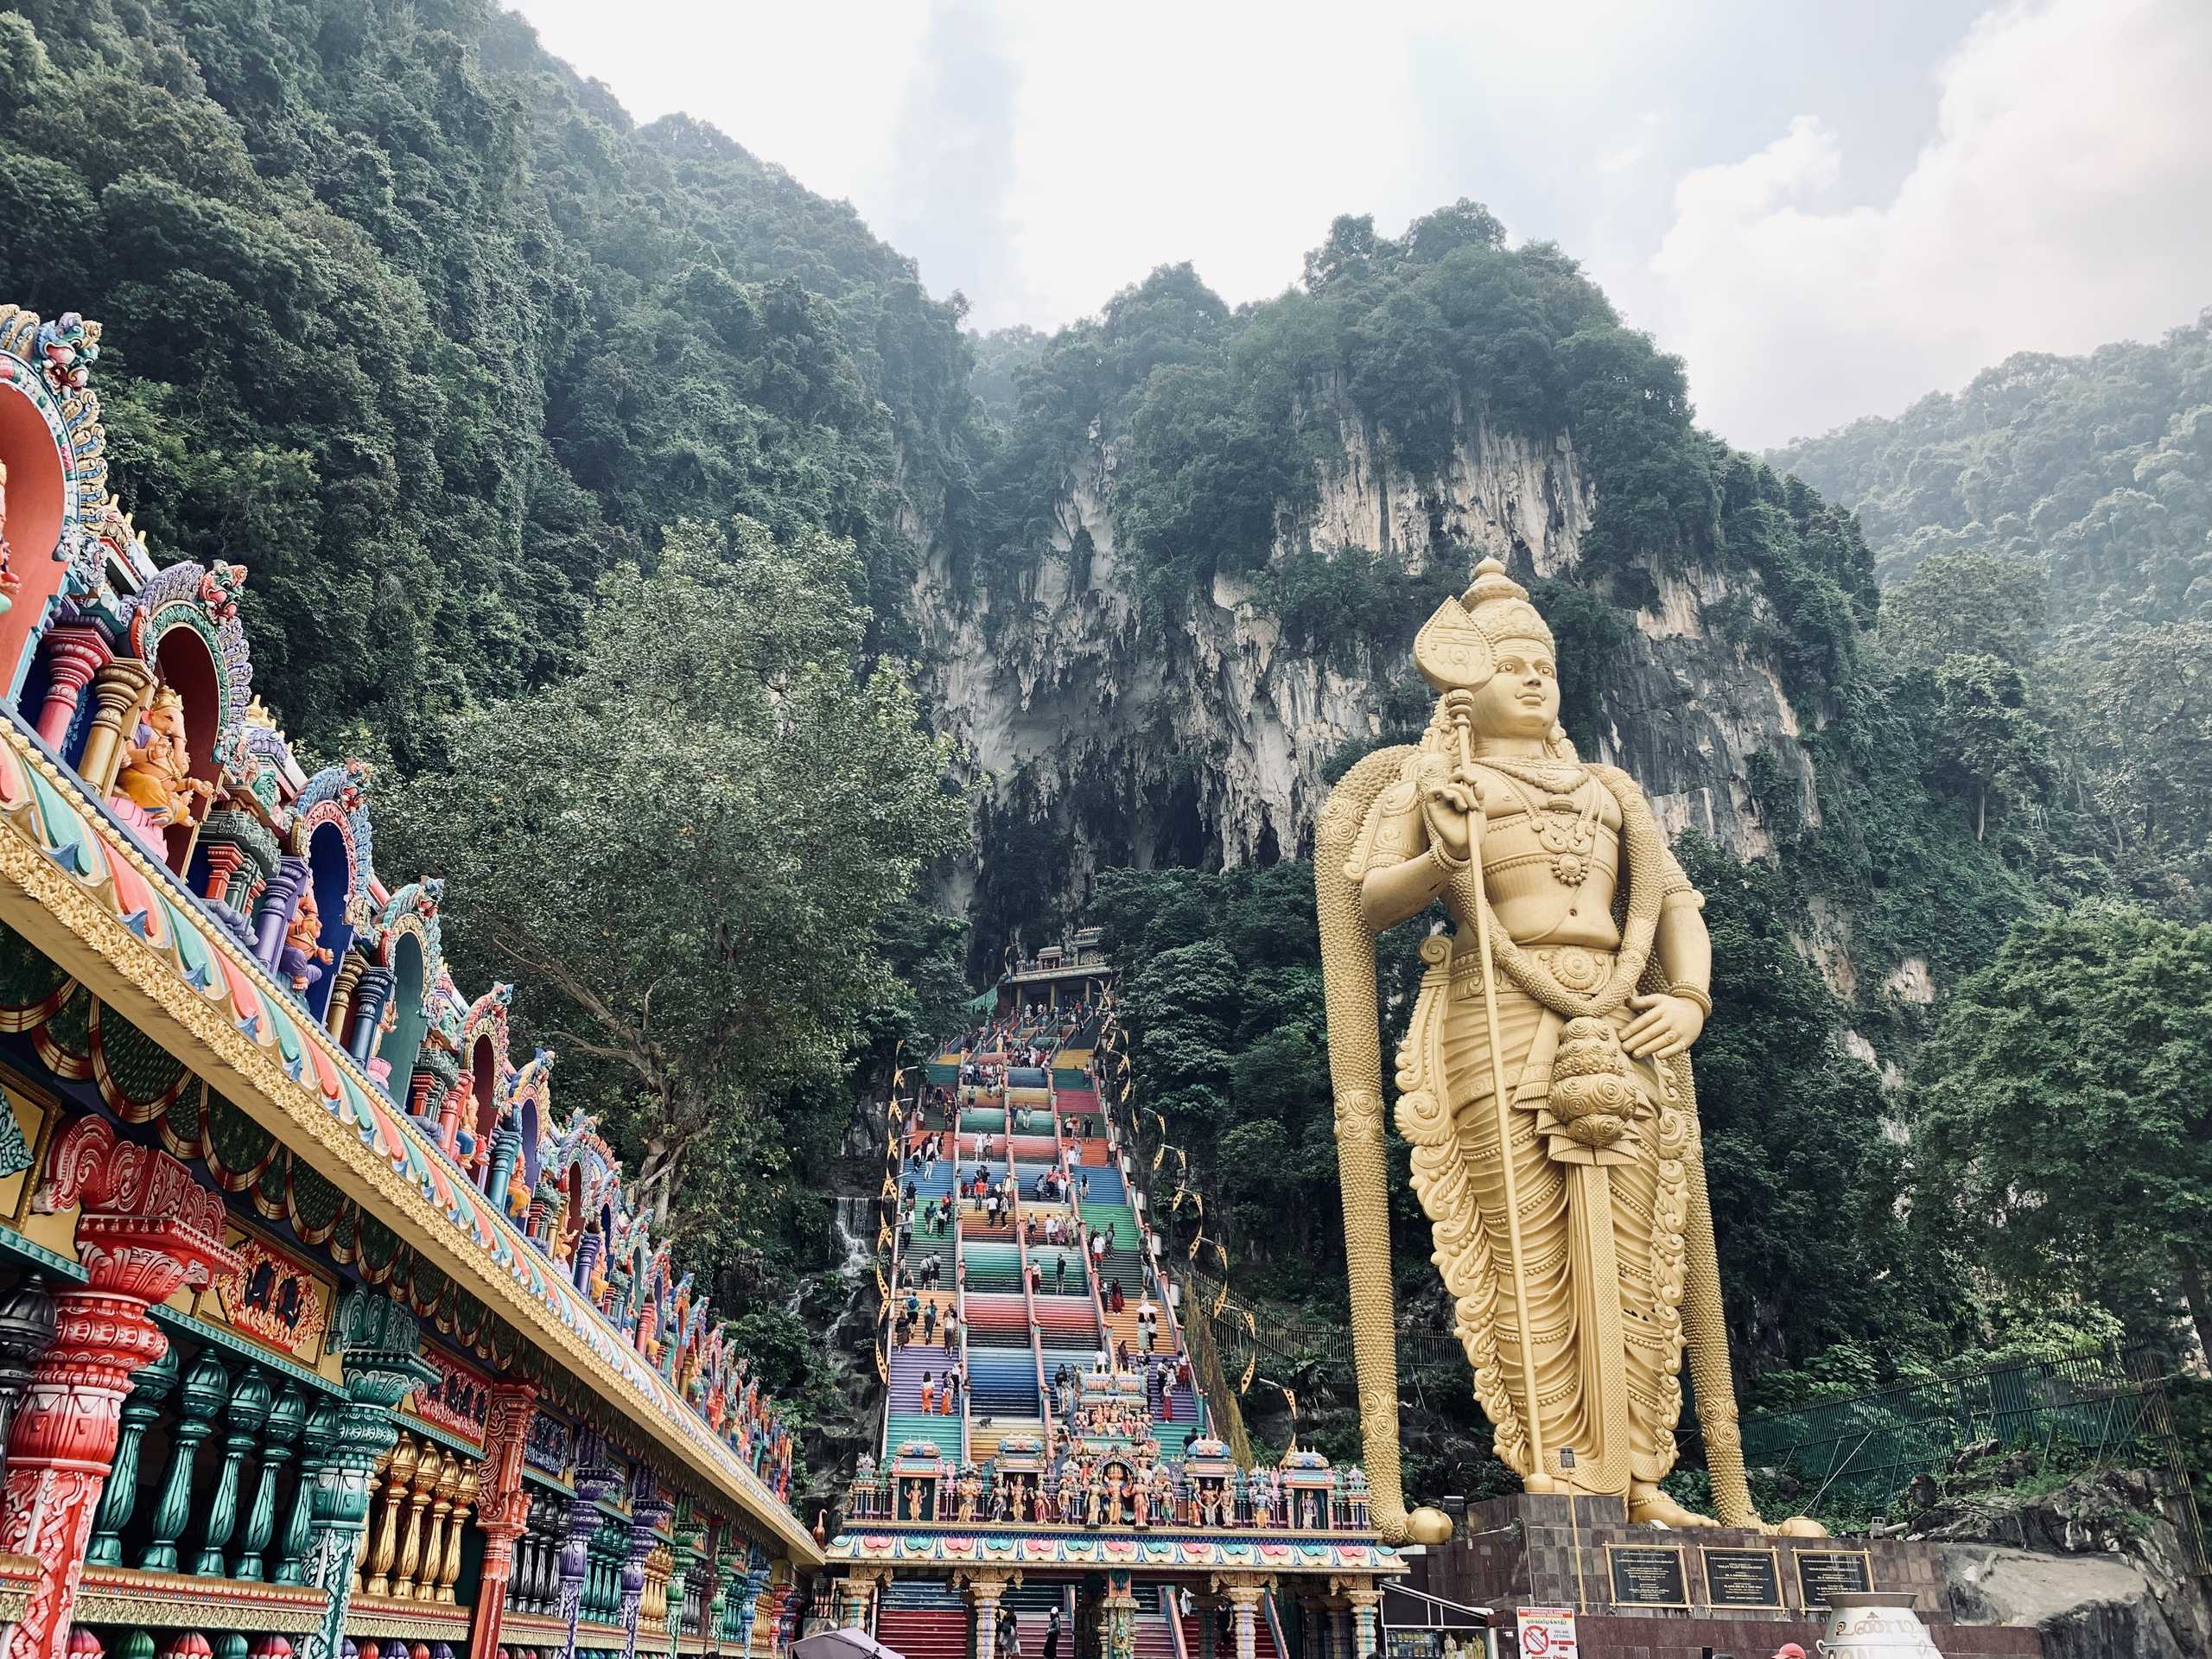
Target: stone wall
<point>1525,1549</point>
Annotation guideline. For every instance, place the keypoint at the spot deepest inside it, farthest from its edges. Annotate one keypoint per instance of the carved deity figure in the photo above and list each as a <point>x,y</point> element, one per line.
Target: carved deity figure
<point>1544,1084</point>
<point>156,776</point>
<point>303,947</point>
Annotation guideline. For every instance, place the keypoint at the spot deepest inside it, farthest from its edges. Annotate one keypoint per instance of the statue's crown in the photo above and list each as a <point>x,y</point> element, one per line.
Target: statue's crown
<point>168,696</point>
<point>1500,607</point>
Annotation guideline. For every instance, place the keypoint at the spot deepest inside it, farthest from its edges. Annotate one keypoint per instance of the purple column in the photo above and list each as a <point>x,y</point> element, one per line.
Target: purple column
<point>595,1481</point>
<point>278,903</point>
<point>586,1256</point>
<point>370,995</point>
<point>648,1509</point>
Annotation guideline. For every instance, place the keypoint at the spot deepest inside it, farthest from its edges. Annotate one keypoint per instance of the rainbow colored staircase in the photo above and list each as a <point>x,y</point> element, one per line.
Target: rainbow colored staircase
<point>1029,1309</point>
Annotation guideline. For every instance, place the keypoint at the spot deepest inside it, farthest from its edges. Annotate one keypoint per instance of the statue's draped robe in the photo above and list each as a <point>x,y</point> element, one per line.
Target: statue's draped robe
<point>1601,1230</point>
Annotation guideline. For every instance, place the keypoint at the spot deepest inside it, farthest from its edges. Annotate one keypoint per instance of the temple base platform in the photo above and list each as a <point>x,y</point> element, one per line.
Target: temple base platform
<point>1645,1592</point>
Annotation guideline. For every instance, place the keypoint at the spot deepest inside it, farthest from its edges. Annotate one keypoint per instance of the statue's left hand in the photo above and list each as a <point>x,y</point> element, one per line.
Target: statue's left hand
<point>1663,1027</point>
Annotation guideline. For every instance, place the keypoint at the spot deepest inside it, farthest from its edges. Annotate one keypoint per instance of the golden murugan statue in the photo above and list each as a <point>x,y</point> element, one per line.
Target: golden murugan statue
<point>1592,1234</point>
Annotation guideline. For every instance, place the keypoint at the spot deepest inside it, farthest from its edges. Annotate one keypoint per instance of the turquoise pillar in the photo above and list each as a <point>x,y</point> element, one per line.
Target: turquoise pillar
<point>378,1344</point>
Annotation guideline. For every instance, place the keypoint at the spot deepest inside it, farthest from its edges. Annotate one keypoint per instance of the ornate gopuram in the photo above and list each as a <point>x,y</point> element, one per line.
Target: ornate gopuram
<point>1074,1477</point>
<point>322,1331</point>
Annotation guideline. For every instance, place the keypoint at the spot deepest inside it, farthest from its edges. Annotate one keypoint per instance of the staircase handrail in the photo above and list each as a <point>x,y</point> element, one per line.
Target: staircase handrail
<point>1171,1607</point>
<point>1075,1208</point>
<point>887,1290</point>
<point>1150,1265</point>
<point>1022,1267</point>
<point>960,1293</point>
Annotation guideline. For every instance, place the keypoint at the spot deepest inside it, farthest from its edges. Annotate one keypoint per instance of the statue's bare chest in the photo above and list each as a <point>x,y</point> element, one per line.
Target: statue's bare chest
<point>1551,852</point>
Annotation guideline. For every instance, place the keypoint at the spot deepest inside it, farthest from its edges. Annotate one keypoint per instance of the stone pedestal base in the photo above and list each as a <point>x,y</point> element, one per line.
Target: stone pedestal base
<point>1524,1551</point>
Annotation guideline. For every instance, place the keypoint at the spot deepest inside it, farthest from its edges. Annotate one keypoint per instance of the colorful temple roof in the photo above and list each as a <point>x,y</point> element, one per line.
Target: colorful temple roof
<point>226,904</point>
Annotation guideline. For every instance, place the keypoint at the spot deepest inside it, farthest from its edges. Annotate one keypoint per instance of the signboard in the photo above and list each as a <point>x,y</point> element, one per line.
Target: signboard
<point>1547,1632</point>
<point>1822,1572</point>
<point>275,1299</point>
<point>1647,1576</point>
<point>1742,1578</point>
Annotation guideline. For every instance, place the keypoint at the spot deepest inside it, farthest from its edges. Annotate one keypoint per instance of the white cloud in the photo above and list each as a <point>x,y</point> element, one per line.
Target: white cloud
<point>1039,158</point>
<point>2061,204</point>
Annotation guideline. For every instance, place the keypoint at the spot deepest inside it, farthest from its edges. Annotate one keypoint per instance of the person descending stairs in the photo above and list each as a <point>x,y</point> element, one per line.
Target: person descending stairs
<point>1224,1647</point>
<point>923,1291</point>
<point>1004,1396</point>
<point>1105,1211</point>
<point>1026,1309</point>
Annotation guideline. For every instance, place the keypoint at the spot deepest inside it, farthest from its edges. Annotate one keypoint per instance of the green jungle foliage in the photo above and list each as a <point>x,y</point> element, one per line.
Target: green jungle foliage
<point>418,326</point>
<point>2098,467</point>
<point>692,917</point>
<point>1218,422</point>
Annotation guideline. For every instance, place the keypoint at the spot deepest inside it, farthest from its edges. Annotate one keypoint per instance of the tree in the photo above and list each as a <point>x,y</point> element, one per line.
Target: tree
<point>1966,603</point>
<point>1987,742</point>
<point>2141,703</point>
<point>1350,248</point>
<point>2064,1105</point>
<point>691,847</point>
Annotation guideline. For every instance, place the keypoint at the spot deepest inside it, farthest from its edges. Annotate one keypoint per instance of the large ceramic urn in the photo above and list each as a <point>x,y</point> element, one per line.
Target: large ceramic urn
<point>1876,1624</point>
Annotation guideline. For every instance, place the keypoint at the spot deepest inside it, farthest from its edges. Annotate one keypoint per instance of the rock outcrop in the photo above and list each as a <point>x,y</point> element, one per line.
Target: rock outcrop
<point>1201,737</point>
<point>2099,1566</point>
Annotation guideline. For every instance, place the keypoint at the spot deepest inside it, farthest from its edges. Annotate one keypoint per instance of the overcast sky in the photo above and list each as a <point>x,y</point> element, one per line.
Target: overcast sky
<point>1827,209</point>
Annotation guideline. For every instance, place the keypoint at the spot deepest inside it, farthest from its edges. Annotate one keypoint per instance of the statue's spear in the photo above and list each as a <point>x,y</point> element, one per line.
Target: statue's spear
<point>1454,655</point>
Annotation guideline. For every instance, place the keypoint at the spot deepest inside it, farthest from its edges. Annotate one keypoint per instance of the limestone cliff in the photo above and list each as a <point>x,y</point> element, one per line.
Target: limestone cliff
<point>1205,738</point>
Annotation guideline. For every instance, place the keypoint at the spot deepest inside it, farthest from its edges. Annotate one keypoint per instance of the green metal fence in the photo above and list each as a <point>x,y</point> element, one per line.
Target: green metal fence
<point>2109,1407</point>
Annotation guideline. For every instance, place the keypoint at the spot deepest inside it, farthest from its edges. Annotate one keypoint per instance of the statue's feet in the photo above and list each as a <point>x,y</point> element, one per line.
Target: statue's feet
<point>1799,1526</point>
<point>1649,1507</point>
<point>1423,1526</point>
<point>1427,1526</point>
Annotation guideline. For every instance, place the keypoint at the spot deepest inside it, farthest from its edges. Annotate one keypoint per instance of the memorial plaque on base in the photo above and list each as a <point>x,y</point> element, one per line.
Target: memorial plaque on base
<point>1648,1575</point>
<point>1822,1572</point>
<point>1742,1578</point>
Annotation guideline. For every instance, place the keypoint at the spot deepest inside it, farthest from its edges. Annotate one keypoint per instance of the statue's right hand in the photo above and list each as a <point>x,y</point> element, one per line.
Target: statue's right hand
<point>1447,807</point>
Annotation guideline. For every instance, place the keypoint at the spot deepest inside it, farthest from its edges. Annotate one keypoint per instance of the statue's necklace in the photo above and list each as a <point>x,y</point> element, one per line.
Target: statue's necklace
<point>1566,828</point>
